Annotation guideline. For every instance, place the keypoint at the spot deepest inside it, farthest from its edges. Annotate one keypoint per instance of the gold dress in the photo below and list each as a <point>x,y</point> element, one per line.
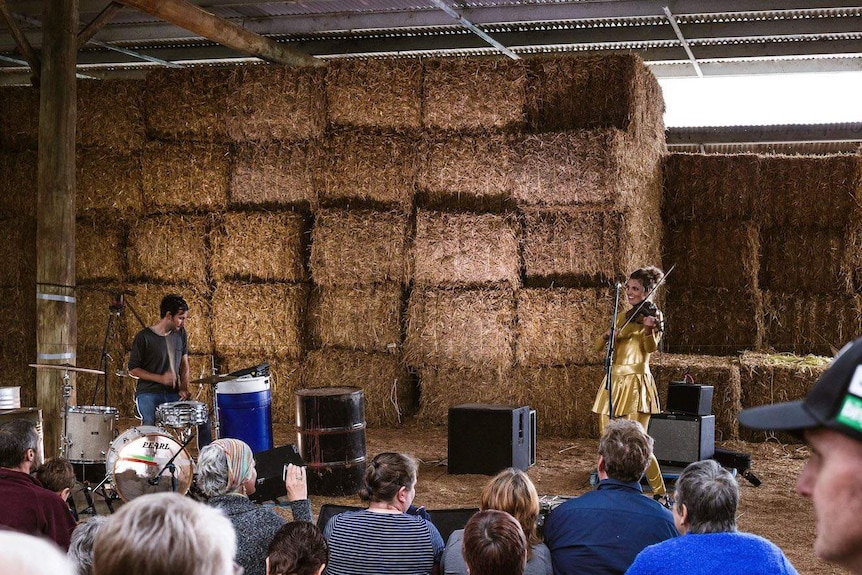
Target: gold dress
<point>633,385</point>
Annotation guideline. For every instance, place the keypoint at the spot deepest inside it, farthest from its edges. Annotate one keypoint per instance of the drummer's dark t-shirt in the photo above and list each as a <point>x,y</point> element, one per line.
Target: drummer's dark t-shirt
<point>150,352</point>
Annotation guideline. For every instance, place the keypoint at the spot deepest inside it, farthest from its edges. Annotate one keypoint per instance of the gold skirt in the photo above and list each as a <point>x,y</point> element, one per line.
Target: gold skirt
<point>633,392</point>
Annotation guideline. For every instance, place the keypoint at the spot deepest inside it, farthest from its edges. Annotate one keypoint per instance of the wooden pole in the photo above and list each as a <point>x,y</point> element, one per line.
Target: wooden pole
<point>186,15</point>
<point>56,327</point>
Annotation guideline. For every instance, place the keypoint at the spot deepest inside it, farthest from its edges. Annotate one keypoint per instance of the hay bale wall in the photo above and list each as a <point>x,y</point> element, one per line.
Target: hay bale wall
<point>18,340</point>
<point>562,396</point>
<point>100,251</point>
<point>443,387</point>
<point>375,93</point>
<point>18,184</point>
<point>17,252</point>
<point>718,255</point>
<point>811,323</point>
<point>19,118</point>
<point>259,245</point>
<point>713,321</point>
<point>357,318</point>
<point>277,174</point>
<point>169,248</point>
<point>806,259</point>
<point>184,177</point>
<point>108,183</point>
<point>110,114</point>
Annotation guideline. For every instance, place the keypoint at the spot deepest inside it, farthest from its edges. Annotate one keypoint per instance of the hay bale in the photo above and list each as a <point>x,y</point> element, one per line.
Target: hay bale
<point>357,318</point>
<point>369,168</point>
<point>375,93</point>
<point>584,167</point>
<point>359,247</point>
<point>18,340</point>
<point>19,179</point>
<point>608,91</point>
<point>188,104</point>
<point>17,251</point>
<point>460,328</point>
<point>810,323</point>
<point>146,300</point>
<point>169,248</point>
<point>19,118</point>
<point>259,245</point>
<point>712,187</point>
<point>562,397</point>
<point>390,393</point>
<point>712,321</point>
<point>452,250</point>
<point>720,372</point>
<point>776,378</point>
<point>558,326</point>
<point>716,254</point>
<point>93,309</point>
<point>90,388</point>
<point>272,102</point>
<point>808,190</point>
<point>285,377</point>
<point>183,177</point>
<point>587,246</point>
<point>461,170</point>
<point>788,254</point>
<point>474,94</point>
<point>99,251</point>
<point>110,114</point>
<point>274,174</point>
<point>443,387</point>
<point>108,183</point>
<point>259,319</point>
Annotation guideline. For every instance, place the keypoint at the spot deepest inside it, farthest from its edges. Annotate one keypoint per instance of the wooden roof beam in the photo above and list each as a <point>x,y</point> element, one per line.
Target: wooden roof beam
<point>98,23</point>
<point>186,15</point>
<point>23,44</point>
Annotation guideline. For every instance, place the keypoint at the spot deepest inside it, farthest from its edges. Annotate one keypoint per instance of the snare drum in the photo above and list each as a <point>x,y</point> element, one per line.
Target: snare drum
<point>90,430</point>
<point>182,414</point>
<point>137,458</point>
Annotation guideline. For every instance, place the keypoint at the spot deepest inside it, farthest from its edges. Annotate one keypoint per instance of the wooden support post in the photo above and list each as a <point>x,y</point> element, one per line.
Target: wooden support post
<point>186,15</point>
<point>56,327</point>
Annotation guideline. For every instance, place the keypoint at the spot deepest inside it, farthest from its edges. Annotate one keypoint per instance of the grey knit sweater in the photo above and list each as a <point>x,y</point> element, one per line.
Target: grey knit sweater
<point>255,527</point>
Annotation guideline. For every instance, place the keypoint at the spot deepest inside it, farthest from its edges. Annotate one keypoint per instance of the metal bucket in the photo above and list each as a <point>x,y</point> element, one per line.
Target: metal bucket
<point>10,398</point>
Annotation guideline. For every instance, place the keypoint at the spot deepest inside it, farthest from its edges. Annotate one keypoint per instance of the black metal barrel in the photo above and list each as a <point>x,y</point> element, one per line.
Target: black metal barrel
<point>330,432</point>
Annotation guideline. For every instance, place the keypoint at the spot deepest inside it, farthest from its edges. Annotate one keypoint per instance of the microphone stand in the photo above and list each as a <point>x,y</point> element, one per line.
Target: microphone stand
<point>609,356</point>
<point>171,467</point>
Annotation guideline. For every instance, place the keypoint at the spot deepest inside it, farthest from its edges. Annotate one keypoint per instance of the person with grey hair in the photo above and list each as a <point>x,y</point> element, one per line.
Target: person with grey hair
<point>602,531</point>
<point>227,475</point>
<point>706,498</point>
<point>81,547</point>
<point>22,554</point>
<point>165,534</point>
<point>27,506</point>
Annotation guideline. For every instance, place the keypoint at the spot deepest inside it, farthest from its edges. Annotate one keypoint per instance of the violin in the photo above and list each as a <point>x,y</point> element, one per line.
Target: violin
<point>644,309</point>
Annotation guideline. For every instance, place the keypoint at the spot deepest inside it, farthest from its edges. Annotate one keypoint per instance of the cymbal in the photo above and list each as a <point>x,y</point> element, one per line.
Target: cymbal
<point>66,367</point>
<point>213,379</point>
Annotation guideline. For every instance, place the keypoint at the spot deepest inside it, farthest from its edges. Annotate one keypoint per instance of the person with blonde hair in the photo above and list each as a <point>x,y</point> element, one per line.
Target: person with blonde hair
<point>227,475</point>
<point>384,538</point>
<point>511,491</point>
<point>165,534</point>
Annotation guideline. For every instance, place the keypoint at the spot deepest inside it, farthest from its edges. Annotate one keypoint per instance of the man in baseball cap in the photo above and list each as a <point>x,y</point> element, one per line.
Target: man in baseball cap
<point>829,420</point>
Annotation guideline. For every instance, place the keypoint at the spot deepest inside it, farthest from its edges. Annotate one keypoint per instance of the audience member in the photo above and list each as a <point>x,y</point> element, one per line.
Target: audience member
<point>704,511</point>
<point>511,491</point>
<point>227,475</point>
<point>384,538</point>
<point>81,547</point>
<point>602,531</point>
<point>56,474</point>
<point>27,506</point>
<point>494,544</point>
<point>22,554</point>
<point>165,534</point>
<point>298,548</point>
<point>829,419</point>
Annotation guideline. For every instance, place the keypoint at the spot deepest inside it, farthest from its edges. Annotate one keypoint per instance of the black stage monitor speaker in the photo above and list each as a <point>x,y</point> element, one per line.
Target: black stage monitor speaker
<point>690,398</point>
<point>270,466</point>
<point>682,439</point>
<point>486,439</point>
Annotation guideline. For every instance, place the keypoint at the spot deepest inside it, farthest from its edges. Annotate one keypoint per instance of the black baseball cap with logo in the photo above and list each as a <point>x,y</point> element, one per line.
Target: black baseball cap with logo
<point>834,402</point>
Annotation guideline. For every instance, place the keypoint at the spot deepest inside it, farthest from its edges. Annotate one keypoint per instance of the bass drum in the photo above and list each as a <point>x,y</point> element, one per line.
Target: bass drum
<point>136,462</point>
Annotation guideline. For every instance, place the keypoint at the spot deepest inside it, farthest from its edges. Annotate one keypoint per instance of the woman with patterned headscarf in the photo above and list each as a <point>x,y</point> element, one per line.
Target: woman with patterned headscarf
<point>226,474</point>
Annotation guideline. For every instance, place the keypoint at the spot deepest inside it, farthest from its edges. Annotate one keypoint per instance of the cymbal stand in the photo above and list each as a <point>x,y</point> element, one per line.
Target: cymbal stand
<point>215,417</point>
<point>65,443</point>
<point>115,310</point>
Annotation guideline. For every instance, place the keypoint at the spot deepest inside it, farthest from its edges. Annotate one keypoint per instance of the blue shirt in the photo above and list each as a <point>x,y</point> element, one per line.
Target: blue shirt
<point>713,553</point>
<point>602,531</point>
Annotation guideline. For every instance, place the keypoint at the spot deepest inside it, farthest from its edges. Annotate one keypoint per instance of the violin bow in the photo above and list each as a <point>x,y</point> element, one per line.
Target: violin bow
<point>649,295</point>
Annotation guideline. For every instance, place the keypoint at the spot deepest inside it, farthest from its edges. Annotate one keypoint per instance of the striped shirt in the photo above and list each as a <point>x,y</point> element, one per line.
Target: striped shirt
<point>367,543</point>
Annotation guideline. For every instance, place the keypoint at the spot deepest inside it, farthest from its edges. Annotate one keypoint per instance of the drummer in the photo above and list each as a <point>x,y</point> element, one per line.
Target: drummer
<point>160,360</point>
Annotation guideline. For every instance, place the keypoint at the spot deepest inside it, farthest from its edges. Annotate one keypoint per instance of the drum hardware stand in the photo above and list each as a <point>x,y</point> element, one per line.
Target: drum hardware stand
<point>65,443</point>
<point>118,304</point>
<point>170,467</point>
<point>87,489</point>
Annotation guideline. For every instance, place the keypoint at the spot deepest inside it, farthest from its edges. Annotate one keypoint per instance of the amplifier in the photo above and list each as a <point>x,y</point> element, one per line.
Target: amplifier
<point>682,439</point>
<point>690,398</point>
<point>485,439</point>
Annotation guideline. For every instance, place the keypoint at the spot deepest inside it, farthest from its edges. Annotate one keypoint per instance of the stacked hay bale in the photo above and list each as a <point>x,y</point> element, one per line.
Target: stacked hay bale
<point>19,113</point>
<point>540,185</point>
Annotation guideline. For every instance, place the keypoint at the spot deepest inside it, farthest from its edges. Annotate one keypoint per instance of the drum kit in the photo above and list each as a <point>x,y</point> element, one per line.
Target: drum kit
<point>141,460</point>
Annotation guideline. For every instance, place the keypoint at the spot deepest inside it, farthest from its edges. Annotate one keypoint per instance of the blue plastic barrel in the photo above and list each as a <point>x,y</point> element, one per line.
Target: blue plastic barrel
<point>244,410</point>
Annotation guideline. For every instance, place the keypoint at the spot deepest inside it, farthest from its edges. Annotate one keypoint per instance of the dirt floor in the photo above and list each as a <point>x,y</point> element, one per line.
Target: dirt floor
<point>773,510</point>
